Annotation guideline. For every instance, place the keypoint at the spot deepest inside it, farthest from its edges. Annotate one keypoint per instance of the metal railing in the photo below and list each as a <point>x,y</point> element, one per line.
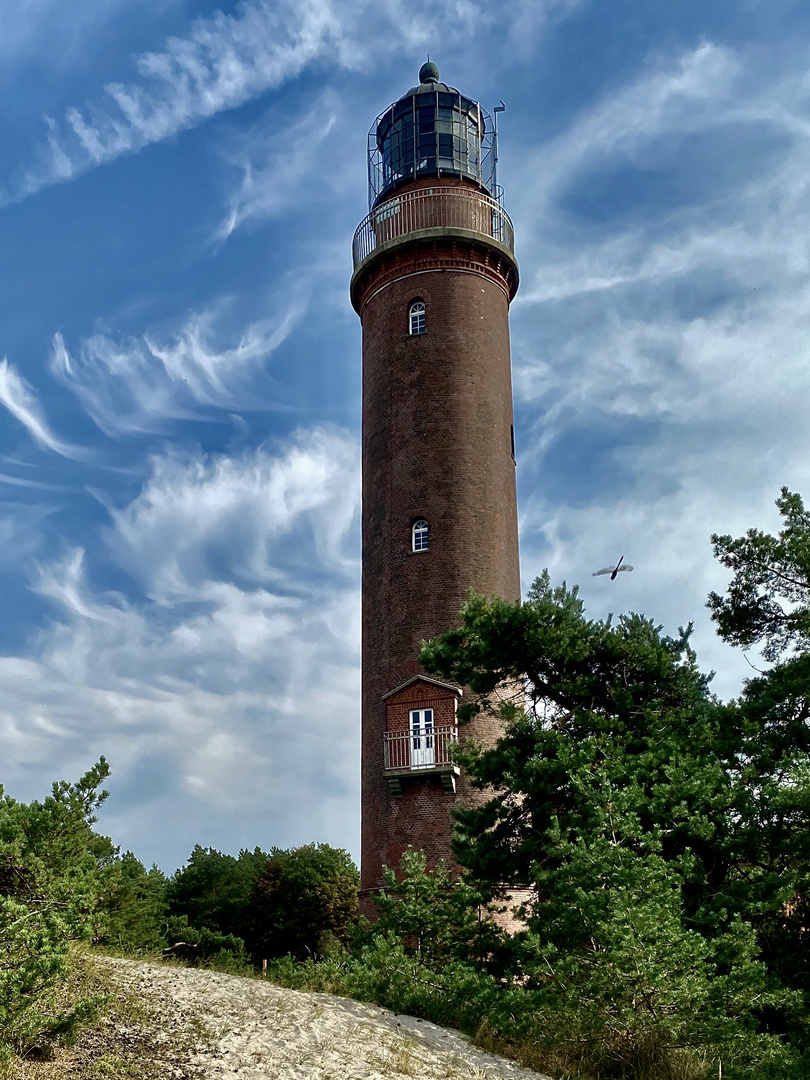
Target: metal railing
<point>432,208</point>
<point>419,748</point>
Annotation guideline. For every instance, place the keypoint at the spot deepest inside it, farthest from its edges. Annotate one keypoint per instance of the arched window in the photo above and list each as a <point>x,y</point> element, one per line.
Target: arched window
<point>416,317</point>
<point>419,535</point>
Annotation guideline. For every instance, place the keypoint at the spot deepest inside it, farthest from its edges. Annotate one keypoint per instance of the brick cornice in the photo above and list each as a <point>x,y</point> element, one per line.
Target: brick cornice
<point>434,250</point>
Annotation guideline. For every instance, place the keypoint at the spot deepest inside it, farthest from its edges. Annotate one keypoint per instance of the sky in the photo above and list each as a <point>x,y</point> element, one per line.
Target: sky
<point>180,364</point>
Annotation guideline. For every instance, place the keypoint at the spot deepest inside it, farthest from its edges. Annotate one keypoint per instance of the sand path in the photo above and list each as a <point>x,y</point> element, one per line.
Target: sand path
<point>257,1031</point>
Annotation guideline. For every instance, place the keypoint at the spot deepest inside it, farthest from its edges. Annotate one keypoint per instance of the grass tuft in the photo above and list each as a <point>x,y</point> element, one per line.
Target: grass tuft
<point>124,1040</point>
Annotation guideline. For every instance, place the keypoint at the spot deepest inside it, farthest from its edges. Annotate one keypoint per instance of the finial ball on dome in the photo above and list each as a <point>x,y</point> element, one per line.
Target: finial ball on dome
<point>428,73</point>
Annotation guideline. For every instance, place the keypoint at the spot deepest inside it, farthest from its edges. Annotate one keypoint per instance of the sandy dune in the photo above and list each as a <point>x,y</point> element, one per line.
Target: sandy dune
<point>257,1031</point>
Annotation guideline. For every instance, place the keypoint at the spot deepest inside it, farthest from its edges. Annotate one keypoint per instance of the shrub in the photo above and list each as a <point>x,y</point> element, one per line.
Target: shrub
<point>202,947</point>
<point>50,896</point>
<point>301,899</point>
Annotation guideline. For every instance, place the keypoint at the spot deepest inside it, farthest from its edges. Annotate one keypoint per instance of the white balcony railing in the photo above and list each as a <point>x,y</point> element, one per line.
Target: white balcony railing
<point>419,748</point>
<point>432,208</point>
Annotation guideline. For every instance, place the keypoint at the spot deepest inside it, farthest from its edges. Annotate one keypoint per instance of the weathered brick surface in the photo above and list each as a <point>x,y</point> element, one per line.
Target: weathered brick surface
<point>420,695</point>
<point>437,416</point>
<point>398,715</point>
<point>433,254</point>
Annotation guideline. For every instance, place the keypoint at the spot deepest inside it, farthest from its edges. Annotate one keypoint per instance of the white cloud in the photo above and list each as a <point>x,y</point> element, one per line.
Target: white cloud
<point>275,161</point>
<point>528,18</point>
<point>202,511</point>
<point>22,525</point>
<point>233,685</point>
<point>19,397</point>
<point>136,385</point>
<point>646,125</point>
<point>690,94</point>
<point>223,61</point>
<point>226,60</point>
<point>646,348</point>
<point>236,687</point>
<point>664,351</point>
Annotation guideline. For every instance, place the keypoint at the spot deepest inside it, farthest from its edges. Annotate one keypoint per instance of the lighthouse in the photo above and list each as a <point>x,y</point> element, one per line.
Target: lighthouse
<point>434,274</point>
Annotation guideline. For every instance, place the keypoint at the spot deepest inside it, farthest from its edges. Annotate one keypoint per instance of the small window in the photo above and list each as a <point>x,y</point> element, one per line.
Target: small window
<point>416,317</point>
<point>419,535</point>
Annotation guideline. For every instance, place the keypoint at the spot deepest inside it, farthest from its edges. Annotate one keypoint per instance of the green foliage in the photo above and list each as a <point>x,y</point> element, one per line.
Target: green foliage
<point>271,903</point>
<point>439,920</point>
<point>663,832</point>
<point>768,598</point>
<point>50,896</point>
<point>214,890</point>
<point>457,995</point>
<point>634,973</point>
<point>300,896</point>
<point>135,904</point>
<point>203,947</point>
<point>768,602</point>
<point>385,971</point>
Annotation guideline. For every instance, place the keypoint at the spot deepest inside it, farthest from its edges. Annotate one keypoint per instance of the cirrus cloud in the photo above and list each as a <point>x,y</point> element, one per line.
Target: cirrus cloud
<point>233,685</point>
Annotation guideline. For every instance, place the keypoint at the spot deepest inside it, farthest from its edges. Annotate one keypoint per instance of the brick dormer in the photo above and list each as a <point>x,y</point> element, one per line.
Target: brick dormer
<point>421,729</point>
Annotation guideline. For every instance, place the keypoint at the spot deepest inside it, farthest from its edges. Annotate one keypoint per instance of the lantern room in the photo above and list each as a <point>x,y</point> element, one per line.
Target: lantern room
<point>433,130</point>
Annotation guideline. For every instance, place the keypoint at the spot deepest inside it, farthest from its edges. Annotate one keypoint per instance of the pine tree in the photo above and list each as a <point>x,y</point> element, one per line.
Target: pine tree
<point>768,598</point>
<point>637,807</point>
<point>50,895</point>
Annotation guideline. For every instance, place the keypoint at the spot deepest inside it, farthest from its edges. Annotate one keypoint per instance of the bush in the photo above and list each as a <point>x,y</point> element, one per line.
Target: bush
<point>201,947</point>
<point>635,994</point>
<point>213,889</point>
<point>50,896</point>
<point>440,919</point>
<point>387,974</point>
<point>297,900</point>
<point>301,899</point>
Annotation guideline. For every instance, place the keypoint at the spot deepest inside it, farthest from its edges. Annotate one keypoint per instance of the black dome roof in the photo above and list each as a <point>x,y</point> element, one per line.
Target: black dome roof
<point>429,82</point>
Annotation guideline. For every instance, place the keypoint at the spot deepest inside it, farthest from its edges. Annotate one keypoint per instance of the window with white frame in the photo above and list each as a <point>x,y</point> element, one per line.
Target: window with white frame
<point>419,535</point>
<point>416,317</point>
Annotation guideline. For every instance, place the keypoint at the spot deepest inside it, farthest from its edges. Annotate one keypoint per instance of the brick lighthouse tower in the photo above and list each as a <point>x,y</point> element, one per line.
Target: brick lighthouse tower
<point>434,274</point>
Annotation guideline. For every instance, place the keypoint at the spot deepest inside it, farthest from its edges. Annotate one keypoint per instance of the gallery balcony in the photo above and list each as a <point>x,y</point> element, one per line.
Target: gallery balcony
<point>432,211</point>
<point>424,751</point>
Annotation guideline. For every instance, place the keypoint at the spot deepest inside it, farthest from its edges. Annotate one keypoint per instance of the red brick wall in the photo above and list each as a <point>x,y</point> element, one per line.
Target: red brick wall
<point>419,817</point>
<point>437,416</point>
<point>432,254</point>
<point>420,696</point>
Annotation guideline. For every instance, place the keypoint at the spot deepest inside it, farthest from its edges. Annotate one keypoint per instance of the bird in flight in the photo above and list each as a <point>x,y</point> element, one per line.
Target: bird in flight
<point>613,570</point>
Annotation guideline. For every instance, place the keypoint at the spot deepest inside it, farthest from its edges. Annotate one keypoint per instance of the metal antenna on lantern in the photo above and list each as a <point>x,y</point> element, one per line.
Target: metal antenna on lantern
<point>495,111</point>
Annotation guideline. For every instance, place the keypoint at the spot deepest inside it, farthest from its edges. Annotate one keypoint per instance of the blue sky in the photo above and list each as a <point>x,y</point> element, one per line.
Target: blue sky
<point>180,377</point>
